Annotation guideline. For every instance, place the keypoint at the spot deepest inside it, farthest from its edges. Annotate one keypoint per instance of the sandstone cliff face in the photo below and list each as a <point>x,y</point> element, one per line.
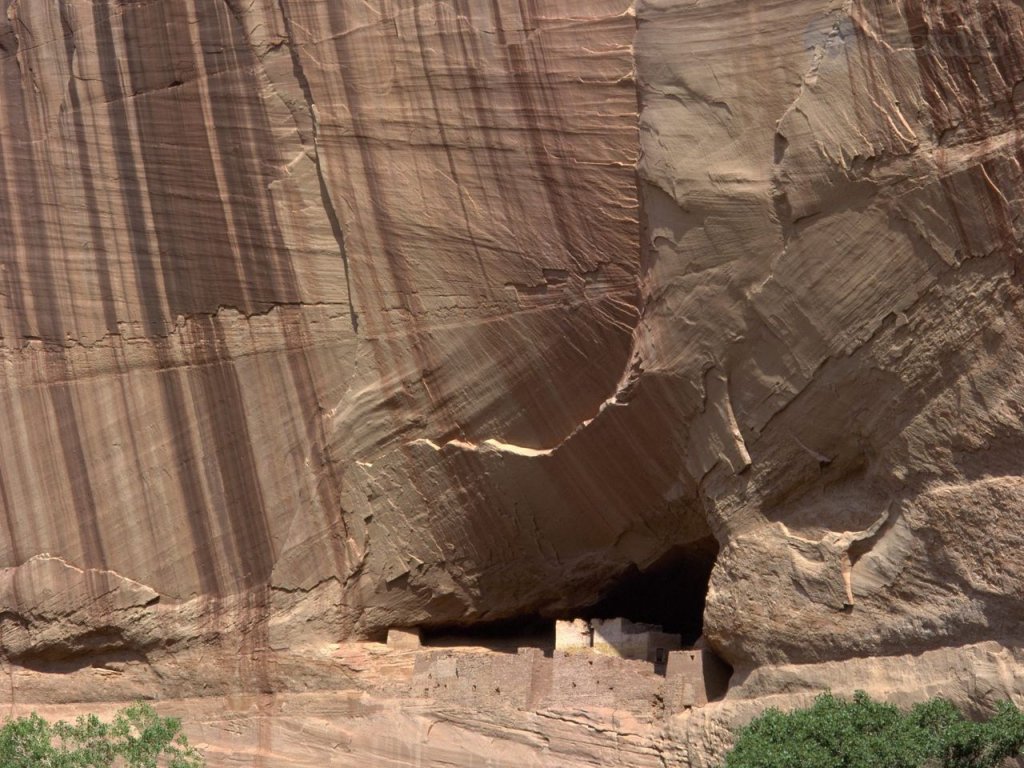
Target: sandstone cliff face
<point>319,318</point>
<point>868,322</point>
<point>270,268</point>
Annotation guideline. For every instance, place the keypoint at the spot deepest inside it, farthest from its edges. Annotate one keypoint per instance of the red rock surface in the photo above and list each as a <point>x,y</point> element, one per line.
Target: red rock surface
<point>321,318</point>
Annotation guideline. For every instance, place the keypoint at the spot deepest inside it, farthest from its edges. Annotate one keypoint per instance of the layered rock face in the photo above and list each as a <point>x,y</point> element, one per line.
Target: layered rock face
<point>269,268</point>
<point>320,318</point>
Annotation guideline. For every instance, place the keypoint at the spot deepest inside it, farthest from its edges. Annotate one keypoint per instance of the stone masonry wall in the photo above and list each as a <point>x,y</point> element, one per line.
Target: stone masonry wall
<point>528,679</point>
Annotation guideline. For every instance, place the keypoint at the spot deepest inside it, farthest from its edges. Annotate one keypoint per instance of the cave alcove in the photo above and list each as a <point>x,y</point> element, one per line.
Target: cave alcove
<point>505,635</point>
<point>670,593</point>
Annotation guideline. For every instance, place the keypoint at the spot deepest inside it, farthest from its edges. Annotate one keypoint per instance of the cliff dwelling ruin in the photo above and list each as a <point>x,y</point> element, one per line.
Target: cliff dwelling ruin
<point>640,641</point>
<point>617,660</point>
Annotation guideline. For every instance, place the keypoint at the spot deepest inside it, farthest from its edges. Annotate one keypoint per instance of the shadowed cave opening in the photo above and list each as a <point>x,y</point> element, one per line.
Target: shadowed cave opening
<point>100,647</point>
<point>670,593</point>
<point>505,635</point>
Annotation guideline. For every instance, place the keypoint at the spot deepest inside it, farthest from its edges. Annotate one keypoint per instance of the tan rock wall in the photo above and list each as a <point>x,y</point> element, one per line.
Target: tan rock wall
<point>322,318</point>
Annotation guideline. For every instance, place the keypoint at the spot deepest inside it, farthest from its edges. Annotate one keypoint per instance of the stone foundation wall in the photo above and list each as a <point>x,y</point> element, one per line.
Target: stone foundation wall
<point>529,680</point>
<point>604,681</point>
<point>693,678</point>
<point>479,678</point>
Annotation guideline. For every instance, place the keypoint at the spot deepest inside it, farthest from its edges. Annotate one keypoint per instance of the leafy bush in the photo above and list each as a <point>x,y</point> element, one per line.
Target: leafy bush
<point>835,733</point>
<point>137,737</point>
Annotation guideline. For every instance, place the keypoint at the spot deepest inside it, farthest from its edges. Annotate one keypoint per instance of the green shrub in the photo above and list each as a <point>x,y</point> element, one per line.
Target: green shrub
<point>836,733</point>
<point>137,737</point>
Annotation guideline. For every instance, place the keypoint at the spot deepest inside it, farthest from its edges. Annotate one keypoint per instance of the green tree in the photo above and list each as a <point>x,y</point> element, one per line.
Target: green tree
<point>862,733</point>
<point>137,737</point>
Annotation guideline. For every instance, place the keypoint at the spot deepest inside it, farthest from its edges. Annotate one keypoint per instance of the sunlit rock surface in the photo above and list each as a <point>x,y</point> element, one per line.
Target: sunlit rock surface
<point>320,318</point>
